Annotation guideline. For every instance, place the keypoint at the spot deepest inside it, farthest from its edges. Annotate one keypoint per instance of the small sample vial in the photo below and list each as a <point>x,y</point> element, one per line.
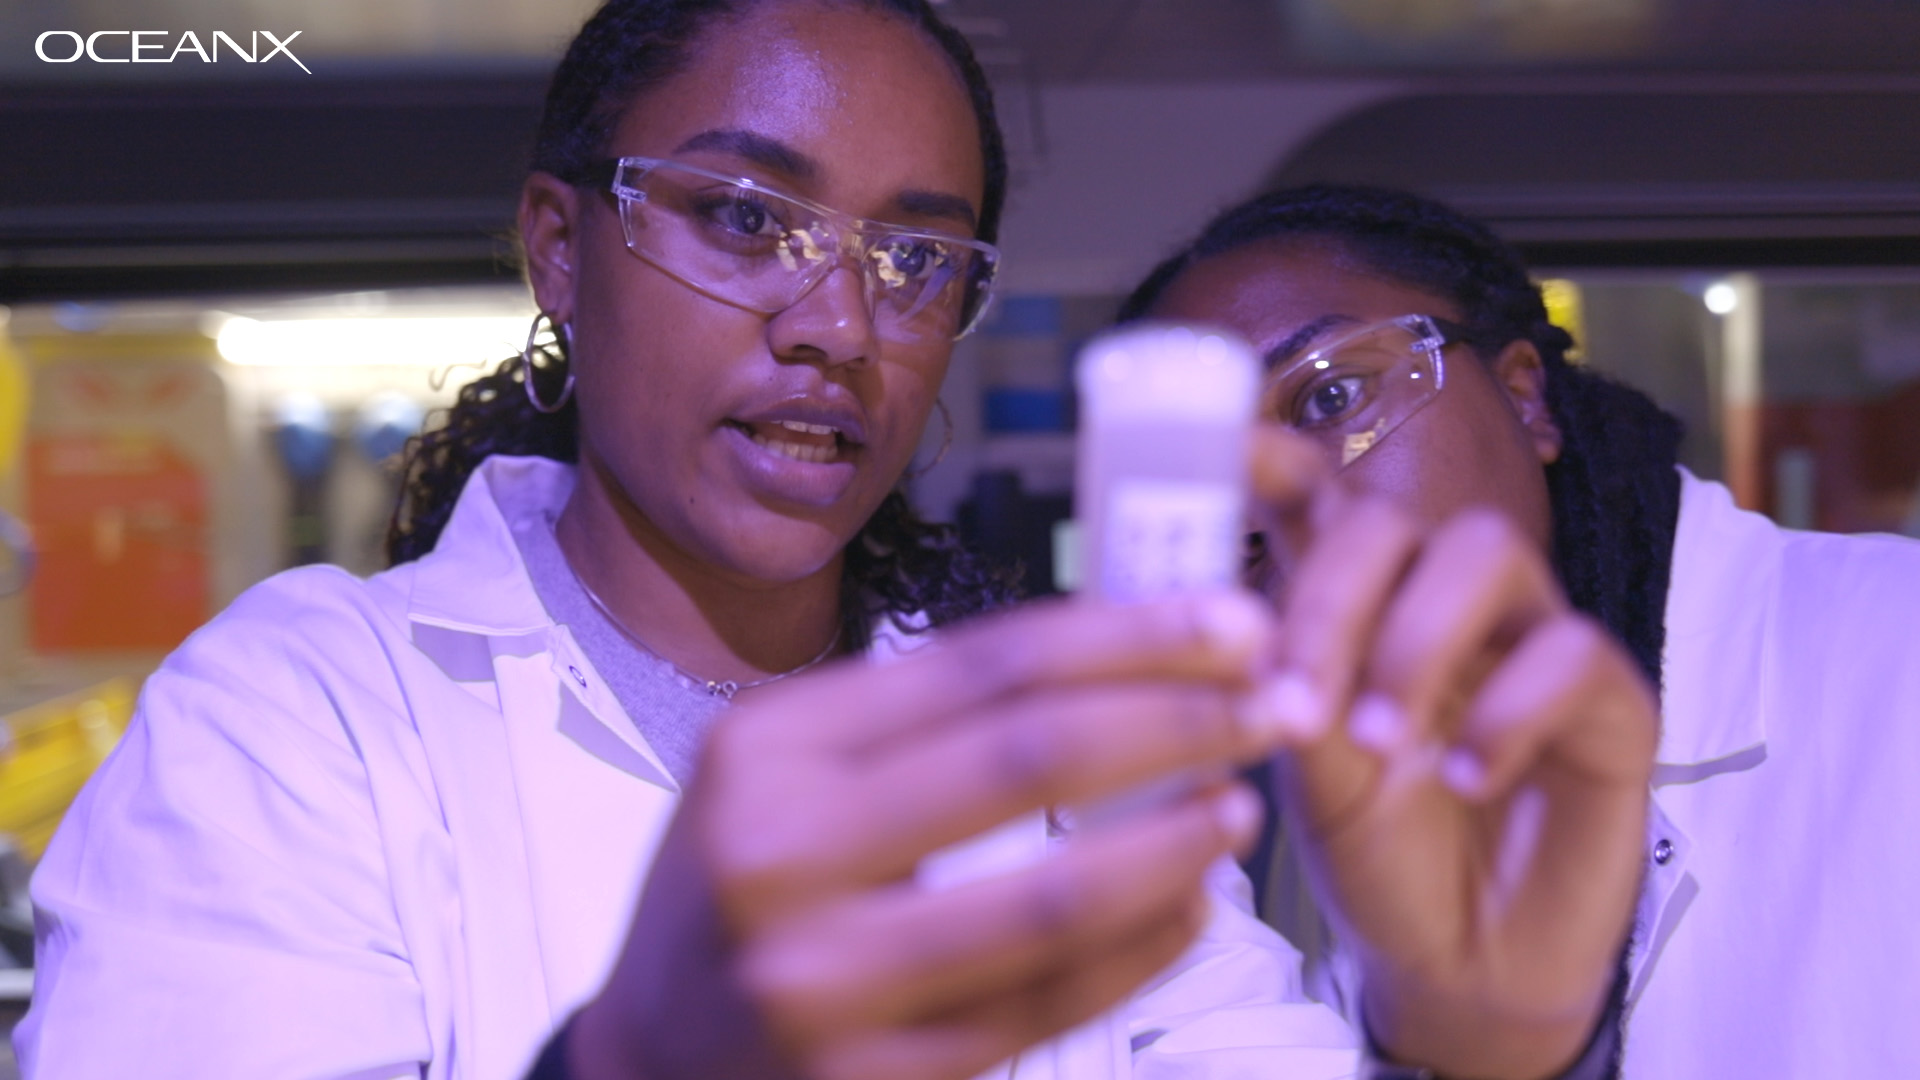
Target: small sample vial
<point>1166,412</point>
<point>1161,491</point>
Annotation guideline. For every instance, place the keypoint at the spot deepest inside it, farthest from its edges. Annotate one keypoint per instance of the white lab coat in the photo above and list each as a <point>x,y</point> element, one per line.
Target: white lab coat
<point>1780,938</point>
<point>397,828</point>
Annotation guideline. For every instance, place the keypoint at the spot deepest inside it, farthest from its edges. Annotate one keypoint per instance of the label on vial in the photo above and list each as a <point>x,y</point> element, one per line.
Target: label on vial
<point>1164,536</point>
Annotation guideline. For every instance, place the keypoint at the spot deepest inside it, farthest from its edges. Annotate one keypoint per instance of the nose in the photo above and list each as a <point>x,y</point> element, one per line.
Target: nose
<point>830,322</point>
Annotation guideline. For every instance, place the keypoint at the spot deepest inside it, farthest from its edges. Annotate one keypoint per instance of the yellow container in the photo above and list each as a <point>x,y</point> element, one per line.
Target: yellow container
<point>53,748</point>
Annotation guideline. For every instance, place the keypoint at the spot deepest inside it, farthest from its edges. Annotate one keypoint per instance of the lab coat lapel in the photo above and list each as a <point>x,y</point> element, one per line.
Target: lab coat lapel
<point>501,991</point>
<point>1725,581</point>
<point>561,802</point>
<point>1713,714</point>
<point>593,803</point>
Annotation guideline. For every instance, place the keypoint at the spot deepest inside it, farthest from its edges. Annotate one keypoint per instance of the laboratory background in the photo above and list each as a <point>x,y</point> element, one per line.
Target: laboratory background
<point>231,288</point>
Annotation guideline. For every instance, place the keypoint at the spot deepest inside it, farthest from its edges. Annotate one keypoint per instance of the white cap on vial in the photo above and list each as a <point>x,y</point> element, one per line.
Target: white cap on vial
<point>1167,372</point>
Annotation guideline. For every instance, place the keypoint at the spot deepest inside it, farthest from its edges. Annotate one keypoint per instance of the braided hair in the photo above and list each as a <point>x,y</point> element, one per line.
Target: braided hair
<point>1615,492</point>
<point>898,565</point>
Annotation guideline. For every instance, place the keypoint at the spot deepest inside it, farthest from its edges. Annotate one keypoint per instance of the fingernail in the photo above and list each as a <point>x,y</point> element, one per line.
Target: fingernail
<point>1462,772</point>
<point>1376,722</point>
<point>1239,811</point>
<point>1291,705</point>
<point>1232,621</point>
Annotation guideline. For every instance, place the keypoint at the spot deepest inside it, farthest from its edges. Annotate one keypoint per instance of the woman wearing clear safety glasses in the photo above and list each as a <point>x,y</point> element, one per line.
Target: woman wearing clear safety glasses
<point>1774,936</point>
<point>553,794</point>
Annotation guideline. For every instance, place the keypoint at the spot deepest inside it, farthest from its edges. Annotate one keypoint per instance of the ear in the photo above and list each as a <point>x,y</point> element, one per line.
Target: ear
<point>1522,375</point>
<point>550,210</point>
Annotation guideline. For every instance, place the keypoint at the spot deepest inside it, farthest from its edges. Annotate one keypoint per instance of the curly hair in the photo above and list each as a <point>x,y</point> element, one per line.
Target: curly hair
<point>1615,491</point>
<point>898,565</point>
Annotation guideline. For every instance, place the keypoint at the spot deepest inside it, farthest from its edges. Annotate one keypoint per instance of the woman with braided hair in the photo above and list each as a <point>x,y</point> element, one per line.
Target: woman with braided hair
<point>1774,936</point>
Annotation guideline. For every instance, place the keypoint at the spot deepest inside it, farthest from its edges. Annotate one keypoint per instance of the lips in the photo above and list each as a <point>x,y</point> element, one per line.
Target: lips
<point>804,414</point>
<point>815,444</point>
<point>801,450</point>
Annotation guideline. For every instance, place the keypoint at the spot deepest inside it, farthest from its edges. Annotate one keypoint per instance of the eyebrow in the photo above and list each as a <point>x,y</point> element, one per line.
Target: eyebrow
<point>777,156</point>
<point>934,204</point>
<point>762,151</point>
<point>1300,338</point>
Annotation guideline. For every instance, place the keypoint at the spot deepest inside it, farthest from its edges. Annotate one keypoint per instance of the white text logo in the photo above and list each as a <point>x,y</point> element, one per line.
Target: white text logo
<point>151,47</point>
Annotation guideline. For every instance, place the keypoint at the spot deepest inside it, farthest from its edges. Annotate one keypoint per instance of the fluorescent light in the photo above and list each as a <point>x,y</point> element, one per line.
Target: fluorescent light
<point>409,342</point>
<point>1721,298</point>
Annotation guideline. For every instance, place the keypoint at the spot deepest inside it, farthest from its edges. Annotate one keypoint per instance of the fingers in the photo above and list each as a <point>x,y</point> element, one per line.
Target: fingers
<point>1290,475</point>
<point>1476,589</point>
<point>1478,816</point>
<point>970,1041</point>
<point>1560,741</point>
<point>952,778</point>
<point>1567,710</point>
<point>1394,631</point>
<point>990,723</point>
<point>1333,608</point>
<point>1218,636</point>
<point>1334,604</point>
<point>1063,747</point>
<point>1569,692</point>
<point>1287,467</point>
<point>905,956</point>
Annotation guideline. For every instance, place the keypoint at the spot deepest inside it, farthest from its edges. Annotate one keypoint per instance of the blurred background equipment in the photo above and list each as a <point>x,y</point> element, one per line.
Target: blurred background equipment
<point>50,750</point>
<point>303,434</point>
<point>16,555</point>
<point>386,421</point>
<point>16,543</point>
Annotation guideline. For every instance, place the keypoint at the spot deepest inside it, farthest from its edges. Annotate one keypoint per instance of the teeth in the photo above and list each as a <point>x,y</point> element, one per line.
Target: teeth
<point>810,429</point>
<point>812,455</point>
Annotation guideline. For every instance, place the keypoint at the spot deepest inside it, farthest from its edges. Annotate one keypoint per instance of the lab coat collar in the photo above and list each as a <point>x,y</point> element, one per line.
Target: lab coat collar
<point>473,604</point>
<point>1719,619</point>
<point>474,579</point>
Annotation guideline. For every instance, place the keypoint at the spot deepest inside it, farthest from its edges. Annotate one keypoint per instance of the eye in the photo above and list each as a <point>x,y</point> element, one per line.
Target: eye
<point>738,218</point>
<point>747,217</point>
<point>912,259</point>
<point>1329,400</point>
<point>742,213</point>
<point>904,259</point>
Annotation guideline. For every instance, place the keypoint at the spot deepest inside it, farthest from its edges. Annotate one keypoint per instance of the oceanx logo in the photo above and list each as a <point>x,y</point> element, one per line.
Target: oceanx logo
<point>159,47</point>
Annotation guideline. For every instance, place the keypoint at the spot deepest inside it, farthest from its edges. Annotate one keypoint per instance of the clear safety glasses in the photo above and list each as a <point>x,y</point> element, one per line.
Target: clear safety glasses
<point>751,246</point>
<point>1351,392</point>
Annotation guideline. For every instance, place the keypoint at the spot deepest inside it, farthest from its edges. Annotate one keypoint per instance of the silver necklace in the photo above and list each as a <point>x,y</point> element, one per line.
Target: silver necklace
<point>720,688</point>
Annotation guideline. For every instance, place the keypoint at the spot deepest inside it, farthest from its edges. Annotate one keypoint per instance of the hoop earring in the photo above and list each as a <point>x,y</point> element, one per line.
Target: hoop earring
<point>946,442</point>
<point>561,333</point>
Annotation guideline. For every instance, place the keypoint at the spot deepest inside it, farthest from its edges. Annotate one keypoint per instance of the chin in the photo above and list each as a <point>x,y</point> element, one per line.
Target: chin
<point>782,550</point>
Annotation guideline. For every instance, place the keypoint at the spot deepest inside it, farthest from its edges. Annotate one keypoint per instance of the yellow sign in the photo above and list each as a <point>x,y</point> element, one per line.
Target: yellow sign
<point>1563,310</point>
<point>13,404</point>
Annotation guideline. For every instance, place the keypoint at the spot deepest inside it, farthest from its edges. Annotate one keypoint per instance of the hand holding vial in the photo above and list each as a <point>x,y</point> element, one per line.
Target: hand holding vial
<point>1470,781</point>
<point>782,933</point>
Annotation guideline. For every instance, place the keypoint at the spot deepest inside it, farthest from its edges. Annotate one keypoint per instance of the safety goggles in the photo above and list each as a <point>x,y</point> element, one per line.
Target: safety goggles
<point>751,246</point>
<point>1353,391</point>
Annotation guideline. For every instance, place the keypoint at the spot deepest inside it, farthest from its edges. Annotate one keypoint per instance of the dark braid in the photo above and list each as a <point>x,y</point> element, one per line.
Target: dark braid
<point>898,565</point>
<point>1615,491</point>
